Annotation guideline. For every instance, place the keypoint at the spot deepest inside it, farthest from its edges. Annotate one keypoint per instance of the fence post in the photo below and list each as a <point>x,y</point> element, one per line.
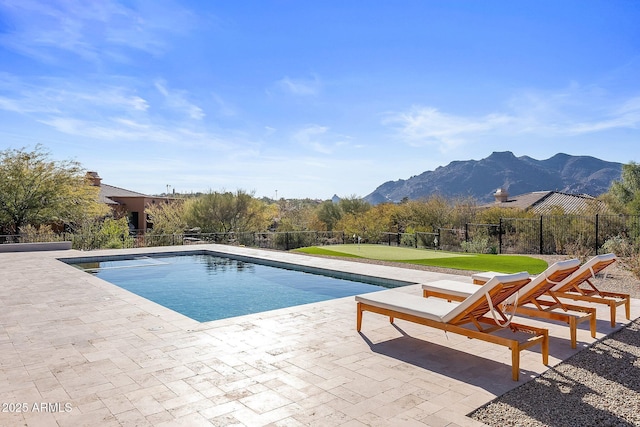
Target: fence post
<point>439,239</point>
<point>541,242</point>
<point>416,239</point>
<point>500,235</point>
<point>466,232</point>
<point>597,245</point>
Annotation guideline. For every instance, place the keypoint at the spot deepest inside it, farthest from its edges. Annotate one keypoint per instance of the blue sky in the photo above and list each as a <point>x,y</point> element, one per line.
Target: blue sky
<point>314,98</point>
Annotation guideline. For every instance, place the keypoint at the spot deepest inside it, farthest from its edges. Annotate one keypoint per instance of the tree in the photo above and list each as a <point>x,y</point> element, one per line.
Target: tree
<point>226,212</point>
<point>329,214</point>
<point>35,190</point>
<point>295,214</point>
<point>354,205</point>
<point>168,218</point>
<point>493,214</point>
<point>626,192</point>
<point>425,215</point>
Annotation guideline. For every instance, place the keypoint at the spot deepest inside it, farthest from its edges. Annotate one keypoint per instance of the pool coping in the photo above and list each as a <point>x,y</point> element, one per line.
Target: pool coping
<point>381,282</point>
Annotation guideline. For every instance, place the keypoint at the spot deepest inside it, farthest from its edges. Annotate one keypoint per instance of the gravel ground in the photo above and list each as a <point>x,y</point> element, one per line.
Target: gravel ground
<point>599,386</point>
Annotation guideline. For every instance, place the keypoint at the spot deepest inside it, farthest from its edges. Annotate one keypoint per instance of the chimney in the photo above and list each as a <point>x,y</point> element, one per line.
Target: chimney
<point>94,178</point>
<point>501,195</point>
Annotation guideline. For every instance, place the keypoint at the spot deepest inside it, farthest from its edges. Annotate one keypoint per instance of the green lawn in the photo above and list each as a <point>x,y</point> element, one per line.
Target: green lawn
<point>460,261</point>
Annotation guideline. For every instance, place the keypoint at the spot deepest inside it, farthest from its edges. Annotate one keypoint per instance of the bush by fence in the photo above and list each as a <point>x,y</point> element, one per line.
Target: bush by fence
<point>550,234</point>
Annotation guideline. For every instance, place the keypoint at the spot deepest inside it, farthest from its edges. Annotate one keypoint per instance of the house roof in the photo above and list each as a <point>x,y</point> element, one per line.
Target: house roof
<point>107,192</point>
<point>545,201</point>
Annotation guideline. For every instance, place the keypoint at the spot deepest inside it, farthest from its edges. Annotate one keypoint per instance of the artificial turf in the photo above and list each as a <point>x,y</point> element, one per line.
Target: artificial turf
<point>459,261</point>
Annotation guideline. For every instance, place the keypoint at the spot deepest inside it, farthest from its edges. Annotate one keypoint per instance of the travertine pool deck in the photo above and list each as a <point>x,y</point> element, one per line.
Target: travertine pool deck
<point>76,351</point>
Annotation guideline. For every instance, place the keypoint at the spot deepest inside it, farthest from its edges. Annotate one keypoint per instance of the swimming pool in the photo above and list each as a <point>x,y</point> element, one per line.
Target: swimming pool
<point>209,287</point>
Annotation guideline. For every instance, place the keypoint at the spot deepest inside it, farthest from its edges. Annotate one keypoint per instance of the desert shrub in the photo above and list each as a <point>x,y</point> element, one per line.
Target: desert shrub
<point>478,245</point>
<point>580,248</point>
<point>42,233</point>
<point>619,245</point>
<point>114,233</point>
<point>633,264</point>
<point>628,254</point>
<point>408,239</point>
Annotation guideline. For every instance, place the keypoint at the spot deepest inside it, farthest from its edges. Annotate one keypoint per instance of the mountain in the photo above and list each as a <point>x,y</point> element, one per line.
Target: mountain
<point>480,178</point>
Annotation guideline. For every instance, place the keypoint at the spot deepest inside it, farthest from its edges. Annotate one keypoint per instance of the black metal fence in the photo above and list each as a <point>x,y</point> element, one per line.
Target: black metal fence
<point>268,240</point>
<point>562,234</point>
<point>545,235</point>
<point>548,234</point>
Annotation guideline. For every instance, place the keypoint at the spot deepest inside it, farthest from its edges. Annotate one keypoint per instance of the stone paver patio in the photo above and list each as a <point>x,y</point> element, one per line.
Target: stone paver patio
<point>76,351</point>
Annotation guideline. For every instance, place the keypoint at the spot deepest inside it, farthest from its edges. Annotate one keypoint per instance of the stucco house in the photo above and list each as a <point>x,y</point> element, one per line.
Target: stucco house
<point>127,202</point>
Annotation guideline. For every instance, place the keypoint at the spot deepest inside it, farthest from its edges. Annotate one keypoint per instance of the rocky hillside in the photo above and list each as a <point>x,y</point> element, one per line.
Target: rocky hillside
<point>480,178</point>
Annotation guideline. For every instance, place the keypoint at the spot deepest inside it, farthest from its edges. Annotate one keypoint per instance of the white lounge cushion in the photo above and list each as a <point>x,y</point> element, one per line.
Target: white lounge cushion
<point>481,292</point>
<point>485,276</point>
<point>428,308</point>
<point>451,287</point>
<point>433,308</point>
<point>586,266</point>
<point>463,289</point>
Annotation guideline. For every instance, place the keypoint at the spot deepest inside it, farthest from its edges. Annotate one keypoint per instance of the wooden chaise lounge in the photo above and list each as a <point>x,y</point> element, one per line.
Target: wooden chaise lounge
<point>535,298</point>
<point>480,309</point>
<point>579,287</point>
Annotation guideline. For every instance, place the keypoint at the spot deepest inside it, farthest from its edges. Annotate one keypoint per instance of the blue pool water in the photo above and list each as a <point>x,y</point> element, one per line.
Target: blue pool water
<point>208,287</point>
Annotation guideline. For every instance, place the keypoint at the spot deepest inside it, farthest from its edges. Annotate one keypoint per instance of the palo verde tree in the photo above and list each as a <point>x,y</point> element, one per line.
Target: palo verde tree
<point>168,218</point>
<point>215,212</point>
<point>35,190</point>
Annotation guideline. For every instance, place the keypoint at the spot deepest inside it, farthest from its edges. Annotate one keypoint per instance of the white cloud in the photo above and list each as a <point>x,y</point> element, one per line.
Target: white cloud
<point>57,96</point>
<point>300,87</point>
<point>572,111</point>
<point>116,129</point>
<point>93,30</point>
<point>320,139</point>
<point>224,109</point>
<point>178,100</point>
<point>311,136</point>
<point>625,116</point>
<point>429,126</point>
<point>109,112</point>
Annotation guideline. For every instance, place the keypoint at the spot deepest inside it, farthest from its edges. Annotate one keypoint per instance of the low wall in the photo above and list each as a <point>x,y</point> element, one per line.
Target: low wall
<point>31,247</point>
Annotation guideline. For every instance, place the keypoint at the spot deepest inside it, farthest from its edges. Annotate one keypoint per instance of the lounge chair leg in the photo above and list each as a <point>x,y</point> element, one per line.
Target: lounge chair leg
<point>627,308</point>
<point>359,317</point>
<point>515,362</point>
<point>391,319</point>
<point>545,348</point>
<point>573,331</point>
<point>612,306</point>
<point>592,324</point>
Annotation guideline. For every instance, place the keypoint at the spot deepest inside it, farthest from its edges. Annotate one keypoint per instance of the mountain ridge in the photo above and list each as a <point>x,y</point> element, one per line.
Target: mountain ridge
<point>502,169</point>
